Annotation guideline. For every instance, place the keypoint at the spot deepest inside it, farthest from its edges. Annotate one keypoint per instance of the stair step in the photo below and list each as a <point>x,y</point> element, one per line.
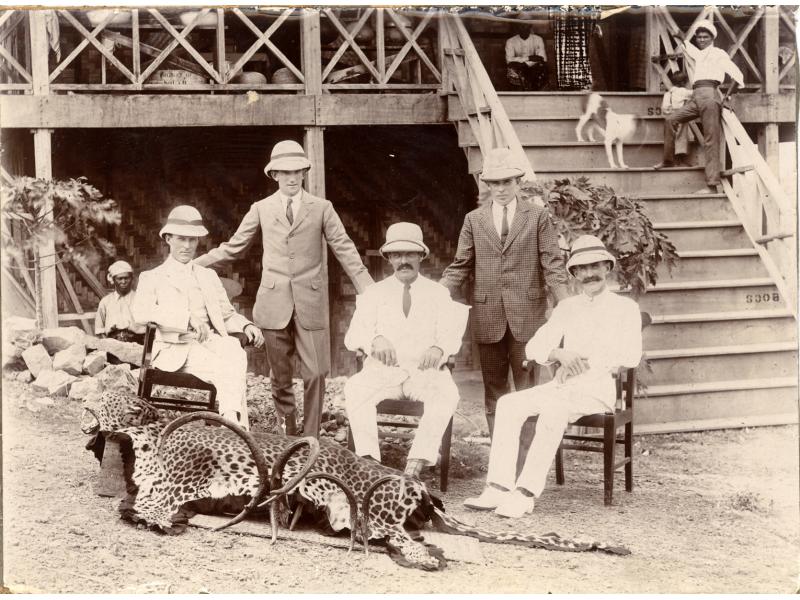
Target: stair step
<point>630,181</point>
<point>725,264</point>
<point>718,404</point>
<point>654,391</point>
<point>568,104</point>
<point>709,329</point>
<point>689,207</point>
<point>717,363</point>
<point>533,130</point>
<point>703,296</point>
<point>590,155</point>
<point>699,235</point>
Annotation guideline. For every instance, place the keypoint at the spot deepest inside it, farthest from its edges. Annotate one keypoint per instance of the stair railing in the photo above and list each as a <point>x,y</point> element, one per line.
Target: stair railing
<point>482,107</point>
<point>768,215</point>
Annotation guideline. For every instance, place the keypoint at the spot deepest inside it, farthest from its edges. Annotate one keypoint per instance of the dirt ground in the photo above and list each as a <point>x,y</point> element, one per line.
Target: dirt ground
<point>711,512</point>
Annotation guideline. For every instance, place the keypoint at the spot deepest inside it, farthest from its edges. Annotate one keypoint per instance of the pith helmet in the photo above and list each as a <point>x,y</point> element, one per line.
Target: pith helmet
<point>287,155</point>
<point>184,220</point>
<point>404,237</point>
<point>586,250</point>
<point>500,164</point>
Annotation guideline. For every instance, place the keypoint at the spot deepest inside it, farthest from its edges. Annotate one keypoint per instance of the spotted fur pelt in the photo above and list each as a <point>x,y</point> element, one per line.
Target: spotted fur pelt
<point>200,462</point>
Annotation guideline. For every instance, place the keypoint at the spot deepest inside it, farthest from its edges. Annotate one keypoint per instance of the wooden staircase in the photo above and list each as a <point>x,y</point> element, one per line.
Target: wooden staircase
<point>722,349</point>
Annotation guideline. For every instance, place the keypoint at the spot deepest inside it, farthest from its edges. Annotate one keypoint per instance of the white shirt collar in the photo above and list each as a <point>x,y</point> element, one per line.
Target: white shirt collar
<point>512,206</point>
<point>179,266</point>
<point>296,200</point>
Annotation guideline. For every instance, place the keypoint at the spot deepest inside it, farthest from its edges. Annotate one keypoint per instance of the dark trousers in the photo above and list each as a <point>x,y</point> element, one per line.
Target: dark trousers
<point>495,360</point>
<point>706,105</point>
<point>529,78</point>
<point>311,349</point>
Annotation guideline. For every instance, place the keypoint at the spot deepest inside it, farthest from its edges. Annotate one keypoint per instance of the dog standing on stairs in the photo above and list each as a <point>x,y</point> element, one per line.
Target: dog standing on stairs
<point>616,128</point>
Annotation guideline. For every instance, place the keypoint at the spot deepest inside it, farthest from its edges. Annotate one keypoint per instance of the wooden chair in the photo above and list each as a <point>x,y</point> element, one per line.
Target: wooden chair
<point>610,423</point>
<point>404,407</point>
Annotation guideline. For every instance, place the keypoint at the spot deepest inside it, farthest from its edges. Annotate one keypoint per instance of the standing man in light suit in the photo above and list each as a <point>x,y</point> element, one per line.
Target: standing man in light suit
<point>194,317</point>
<point>290,304</point>
<point>511,250</point>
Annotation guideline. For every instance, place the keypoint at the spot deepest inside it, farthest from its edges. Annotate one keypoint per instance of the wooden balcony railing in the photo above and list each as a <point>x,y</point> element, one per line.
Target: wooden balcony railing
<point>216,50</point>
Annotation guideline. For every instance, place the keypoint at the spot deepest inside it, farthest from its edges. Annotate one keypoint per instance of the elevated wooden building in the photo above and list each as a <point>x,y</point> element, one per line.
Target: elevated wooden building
<point>158,107</point>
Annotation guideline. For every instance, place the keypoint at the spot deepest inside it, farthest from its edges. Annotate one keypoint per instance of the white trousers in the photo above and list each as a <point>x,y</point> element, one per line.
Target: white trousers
<point>223,362</point>
<point>557,405</point>
<point>434,388</point>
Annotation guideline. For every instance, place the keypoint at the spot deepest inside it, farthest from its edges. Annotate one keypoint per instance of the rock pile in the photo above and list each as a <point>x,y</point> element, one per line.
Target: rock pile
<point>64,361</point>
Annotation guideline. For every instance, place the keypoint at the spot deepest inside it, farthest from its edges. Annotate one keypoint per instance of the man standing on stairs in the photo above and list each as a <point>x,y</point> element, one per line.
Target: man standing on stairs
<point>710,67</point>
<point>510,248</point>
<point>601,331</point>
<point>290,304</point>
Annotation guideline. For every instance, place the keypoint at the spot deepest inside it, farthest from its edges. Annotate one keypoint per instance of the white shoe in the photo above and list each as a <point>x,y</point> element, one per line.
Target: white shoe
<point>515,505</point>
<point>488,500</point>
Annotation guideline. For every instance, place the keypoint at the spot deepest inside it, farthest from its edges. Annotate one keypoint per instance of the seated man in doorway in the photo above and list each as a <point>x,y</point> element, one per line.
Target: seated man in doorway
<point>601,332</point>
<point>113,318</point>
<point>194,317</point>
<point>408,326</point>
<point>710,67</point>
<point>526,59</point>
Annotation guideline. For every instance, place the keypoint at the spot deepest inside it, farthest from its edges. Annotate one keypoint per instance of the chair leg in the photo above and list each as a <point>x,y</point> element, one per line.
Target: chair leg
<point>560,465</point>
<point>629,456</point>
<point>445,462</point>
<point>351,445</point>
<point>609,443</point>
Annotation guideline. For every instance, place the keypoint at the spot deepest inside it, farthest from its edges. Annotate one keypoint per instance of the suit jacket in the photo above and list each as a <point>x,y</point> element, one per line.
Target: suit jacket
<point>509,280</point>
<point>292,278</point>
<point>160,300</point>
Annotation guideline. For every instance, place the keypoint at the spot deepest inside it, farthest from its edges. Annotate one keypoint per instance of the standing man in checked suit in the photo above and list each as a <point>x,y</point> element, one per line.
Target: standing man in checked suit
<point>290,304</point>
<point>511,250</point>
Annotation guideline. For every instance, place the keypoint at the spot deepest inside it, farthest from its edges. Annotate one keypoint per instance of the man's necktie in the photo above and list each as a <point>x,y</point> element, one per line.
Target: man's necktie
<point>504,227</point>
<point>406,299</point>
<point>289,214</point>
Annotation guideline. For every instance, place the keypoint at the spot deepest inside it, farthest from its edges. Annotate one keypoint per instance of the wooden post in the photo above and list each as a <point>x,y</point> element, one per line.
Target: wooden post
<point>312,51</point>
<point>768,134</point>
<point>42,150</point>
<point>653,48</point>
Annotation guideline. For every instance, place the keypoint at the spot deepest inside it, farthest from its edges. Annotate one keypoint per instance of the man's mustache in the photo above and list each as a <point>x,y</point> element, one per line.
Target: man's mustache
<point>592,278</point>
<point>404,266</point>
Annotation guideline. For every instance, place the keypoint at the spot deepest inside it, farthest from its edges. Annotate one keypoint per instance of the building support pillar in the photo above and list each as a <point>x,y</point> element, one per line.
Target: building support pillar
<point>43,155</point>
<point>768,134</point>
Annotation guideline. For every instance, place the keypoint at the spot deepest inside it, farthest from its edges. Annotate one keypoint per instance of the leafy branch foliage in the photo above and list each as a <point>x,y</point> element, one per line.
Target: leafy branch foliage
<point>577,208</point>
<point>78,208</point>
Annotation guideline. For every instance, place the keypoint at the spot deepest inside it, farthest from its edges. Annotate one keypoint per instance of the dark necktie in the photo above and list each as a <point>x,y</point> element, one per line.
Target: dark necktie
<point>504,227</point>
<point>406,299</point>
<point>289,214</point>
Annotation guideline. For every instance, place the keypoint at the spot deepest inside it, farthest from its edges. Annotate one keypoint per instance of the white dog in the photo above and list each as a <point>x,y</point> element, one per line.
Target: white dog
<point>614,127</point>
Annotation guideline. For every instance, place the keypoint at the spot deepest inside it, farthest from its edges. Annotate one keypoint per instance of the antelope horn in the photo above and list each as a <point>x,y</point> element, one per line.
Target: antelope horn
<point>258,457</point>
<point>365,508</point>
<point>277,475</point>
<point>351,500</point>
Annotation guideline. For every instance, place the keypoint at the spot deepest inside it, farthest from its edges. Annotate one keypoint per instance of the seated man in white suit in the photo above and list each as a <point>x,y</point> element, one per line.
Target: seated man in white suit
<point>408,326</point>
<point>601,331</point>
<point>194,317</point>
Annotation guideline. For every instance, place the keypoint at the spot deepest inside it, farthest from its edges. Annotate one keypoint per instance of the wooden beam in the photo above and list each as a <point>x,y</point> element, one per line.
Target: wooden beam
<point>311,49</point>
<point>42,149</point>
<point>314,143</point>
<point>768,139</point>
<point>203,110</point>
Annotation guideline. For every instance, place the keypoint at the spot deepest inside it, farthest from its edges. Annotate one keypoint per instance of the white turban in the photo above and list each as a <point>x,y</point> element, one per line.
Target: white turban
<point>704,24</point>
<point>118,268</point>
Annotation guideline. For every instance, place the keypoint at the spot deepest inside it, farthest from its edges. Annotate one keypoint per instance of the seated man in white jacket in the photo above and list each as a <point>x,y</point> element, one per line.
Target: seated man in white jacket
<point>601,332</point>
<point>194,317</point>
<point>408,326</point>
